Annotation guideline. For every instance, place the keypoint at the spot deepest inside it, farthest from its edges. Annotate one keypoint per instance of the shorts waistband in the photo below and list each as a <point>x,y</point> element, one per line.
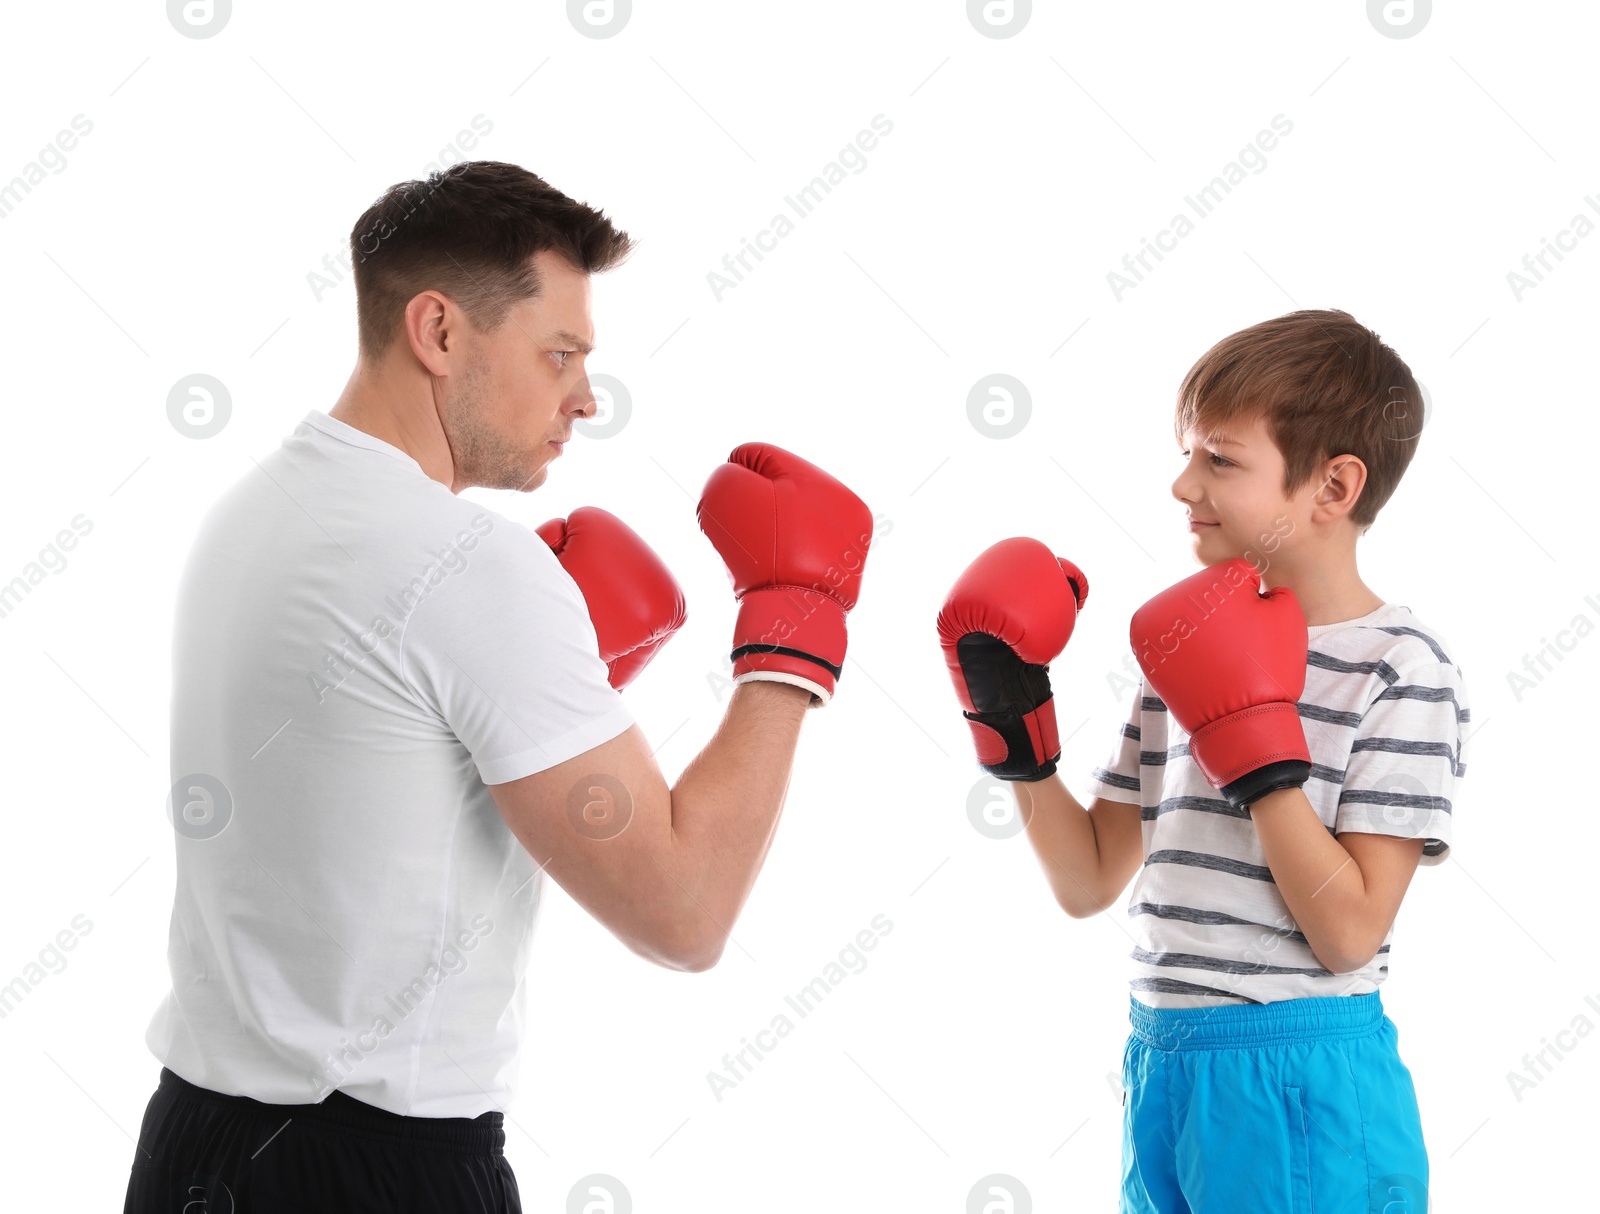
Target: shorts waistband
<point>484,1134</point>
<point>1232,1025</point>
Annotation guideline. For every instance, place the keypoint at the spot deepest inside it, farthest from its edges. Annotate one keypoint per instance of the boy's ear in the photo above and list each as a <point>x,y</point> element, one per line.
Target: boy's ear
<point>1343,479</point>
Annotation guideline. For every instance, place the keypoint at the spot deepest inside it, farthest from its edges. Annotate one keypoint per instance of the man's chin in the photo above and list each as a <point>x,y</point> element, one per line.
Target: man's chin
<point>533,482</point>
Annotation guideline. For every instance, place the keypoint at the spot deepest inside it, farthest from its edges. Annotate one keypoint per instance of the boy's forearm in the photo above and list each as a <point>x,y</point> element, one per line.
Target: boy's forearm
<point>1319,880</point>
<point>727,801</point>
<point>1062,834</point>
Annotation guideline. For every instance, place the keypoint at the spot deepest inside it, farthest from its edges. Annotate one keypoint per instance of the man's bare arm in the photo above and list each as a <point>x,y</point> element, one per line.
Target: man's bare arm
<point>1088,855</point>
<point>666,870</point>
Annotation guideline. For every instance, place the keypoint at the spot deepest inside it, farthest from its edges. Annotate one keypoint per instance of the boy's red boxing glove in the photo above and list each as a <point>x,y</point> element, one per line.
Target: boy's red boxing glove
<point>795,542</point>
<point>1004,621</point>
<point>1230,662</point>
<point>634,601</point>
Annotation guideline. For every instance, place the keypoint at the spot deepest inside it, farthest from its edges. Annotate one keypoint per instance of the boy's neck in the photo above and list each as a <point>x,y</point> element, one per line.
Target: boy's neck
<point>1329,600</point>
<point>1321,570</point>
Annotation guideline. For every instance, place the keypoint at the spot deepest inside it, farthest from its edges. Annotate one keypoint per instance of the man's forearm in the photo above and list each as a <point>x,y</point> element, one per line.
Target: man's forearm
<point>726,804</point>
<point>1062,834</point>
<point>1319,880</point>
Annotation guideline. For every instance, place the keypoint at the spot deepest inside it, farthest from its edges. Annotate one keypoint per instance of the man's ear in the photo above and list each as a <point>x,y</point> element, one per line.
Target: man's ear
<point>1344,476</point>
<point>430,326</point>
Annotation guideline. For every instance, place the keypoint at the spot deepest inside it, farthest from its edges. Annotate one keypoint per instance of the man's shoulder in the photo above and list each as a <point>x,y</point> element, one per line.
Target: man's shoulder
<point>390,504</point>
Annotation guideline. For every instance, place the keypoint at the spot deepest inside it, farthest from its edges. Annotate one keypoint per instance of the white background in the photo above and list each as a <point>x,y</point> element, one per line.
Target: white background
<point>220,171</point>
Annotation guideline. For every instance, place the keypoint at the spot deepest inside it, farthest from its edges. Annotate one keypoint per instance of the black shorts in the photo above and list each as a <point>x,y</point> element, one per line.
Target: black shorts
<point>202,1152</point>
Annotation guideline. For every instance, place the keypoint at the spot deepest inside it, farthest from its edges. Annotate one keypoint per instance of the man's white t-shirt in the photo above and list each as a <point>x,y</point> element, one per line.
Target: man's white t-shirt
<point>1386,718</point>
<point>357,654</point>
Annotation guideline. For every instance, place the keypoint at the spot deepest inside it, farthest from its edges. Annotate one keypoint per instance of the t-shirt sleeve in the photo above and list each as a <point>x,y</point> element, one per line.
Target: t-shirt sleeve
<point>1118,778</point>
<point>505,653</point>
<point>1408,755</point>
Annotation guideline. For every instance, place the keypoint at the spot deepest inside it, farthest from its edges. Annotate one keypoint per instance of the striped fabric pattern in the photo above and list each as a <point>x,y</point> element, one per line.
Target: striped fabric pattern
<point>1386,717</point>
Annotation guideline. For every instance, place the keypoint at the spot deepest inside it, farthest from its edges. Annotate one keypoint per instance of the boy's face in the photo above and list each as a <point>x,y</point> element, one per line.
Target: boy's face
<point>1232,489</point>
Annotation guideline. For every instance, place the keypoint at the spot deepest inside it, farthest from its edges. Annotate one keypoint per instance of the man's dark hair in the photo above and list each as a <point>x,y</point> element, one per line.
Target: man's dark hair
<point>470,232</point>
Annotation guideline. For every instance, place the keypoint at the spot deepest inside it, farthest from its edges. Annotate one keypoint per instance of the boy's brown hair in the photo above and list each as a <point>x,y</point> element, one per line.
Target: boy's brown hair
<point>1326,385</point>
<point>470,232</point>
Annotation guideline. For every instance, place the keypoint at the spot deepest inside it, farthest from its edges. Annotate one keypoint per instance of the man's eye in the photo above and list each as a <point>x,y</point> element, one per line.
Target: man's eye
<point>562,356</point>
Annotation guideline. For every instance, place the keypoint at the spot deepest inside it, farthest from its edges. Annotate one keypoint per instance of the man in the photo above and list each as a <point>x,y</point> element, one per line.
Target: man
<point>392,714</point>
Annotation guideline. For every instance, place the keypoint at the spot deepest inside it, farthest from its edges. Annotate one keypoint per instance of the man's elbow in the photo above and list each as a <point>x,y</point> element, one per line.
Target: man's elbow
<point>689,950</point>
<point>699,961</point>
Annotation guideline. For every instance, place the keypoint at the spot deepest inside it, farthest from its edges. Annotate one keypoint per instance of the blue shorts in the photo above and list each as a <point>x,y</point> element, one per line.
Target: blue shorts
<point>1293,1105</point>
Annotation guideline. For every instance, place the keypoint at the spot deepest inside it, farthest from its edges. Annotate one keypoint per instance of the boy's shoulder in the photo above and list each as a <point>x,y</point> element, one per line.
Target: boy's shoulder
<point>1392,633</point>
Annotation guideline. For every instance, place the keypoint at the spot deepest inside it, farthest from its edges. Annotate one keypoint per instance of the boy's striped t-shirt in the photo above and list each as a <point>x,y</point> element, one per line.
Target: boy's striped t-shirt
<point>1385,716</point>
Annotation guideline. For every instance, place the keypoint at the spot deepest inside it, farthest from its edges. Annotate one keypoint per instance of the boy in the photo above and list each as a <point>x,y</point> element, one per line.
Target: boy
<point>1288,761</point>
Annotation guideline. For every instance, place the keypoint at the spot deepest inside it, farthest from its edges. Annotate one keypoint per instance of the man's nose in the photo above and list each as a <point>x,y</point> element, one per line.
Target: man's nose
<point>587,406</point>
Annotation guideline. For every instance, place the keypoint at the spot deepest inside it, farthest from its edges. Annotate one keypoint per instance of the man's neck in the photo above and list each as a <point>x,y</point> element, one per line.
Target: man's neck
<point>424,442</point>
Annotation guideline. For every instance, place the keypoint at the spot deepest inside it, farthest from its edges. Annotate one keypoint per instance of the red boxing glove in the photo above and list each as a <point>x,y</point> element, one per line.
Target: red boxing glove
<point>795,543</point>
<point>634,601</point>
<point>1230,662</point>
<point>1004,621</point>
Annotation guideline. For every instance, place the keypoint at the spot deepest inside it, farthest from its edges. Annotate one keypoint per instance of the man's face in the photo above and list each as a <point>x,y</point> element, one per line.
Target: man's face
<point>1232,488</point>
<point>523,385</point>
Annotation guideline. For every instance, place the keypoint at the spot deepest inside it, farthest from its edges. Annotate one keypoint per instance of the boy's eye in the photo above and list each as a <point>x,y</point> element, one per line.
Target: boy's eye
<point>1218,461</point>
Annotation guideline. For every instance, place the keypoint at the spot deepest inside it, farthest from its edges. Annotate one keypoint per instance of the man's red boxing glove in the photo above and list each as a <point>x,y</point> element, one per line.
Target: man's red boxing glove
<point>1007,617</point>
<point>795,543</point>
<point>1230,662</point>
<point>634,601</point>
